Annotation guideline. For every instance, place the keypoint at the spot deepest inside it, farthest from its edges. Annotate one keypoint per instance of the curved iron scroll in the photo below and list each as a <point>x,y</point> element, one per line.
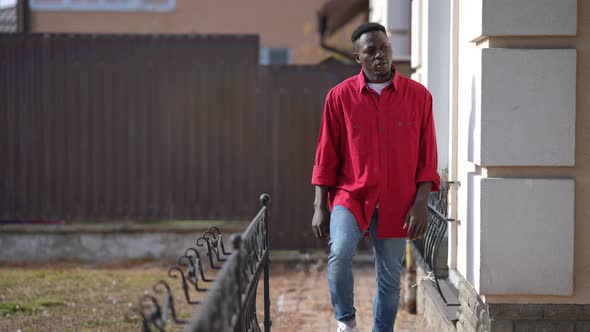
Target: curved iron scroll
<point>204,242</point>
<point>184,284</point>
<point>197,263</point>
<point>216,230</point>
<point>152,313</point>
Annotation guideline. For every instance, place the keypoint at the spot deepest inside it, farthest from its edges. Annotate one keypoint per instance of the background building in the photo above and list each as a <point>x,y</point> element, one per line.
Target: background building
<point>288,30</point>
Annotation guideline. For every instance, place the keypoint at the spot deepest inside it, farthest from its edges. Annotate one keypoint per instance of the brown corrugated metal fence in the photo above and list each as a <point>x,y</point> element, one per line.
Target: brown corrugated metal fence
<point>118,127</point>
<point>158,127</point>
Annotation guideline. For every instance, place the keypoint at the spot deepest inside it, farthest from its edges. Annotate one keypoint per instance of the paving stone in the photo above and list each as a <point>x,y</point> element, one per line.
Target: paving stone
<point>301,302</point>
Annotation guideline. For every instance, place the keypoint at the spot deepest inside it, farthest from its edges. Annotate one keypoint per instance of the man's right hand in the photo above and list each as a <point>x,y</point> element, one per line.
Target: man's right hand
<point>321,222</point>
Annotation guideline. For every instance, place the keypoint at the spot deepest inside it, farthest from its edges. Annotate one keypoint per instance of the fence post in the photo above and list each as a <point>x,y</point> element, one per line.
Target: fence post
<point>265,199</point>
<point>236,247</point>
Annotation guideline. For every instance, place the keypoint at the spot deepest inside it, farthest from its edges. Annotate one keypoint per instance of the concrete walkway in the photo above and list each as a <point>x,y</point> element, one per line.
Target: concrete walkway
<point>301,301</point>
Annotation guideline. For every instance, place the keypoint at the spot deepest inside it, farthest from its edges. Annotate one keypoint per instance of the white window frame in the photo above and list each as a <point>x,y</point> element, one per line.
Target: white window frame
<point>102,5</point>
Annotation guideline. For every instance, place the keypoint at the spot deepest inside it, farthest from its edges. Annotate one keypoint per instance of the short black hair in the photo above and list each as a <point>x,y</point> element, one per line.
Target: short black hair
<point>364,28</point>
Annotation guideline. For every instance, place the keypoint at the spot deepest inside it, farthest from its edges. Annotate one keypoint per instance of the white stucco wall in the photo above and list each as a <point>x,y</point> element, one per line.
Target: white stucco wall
<point>527,236</point>
<point>528,107</point>
<point>529,17</point>
<point>468,173</point>
<point>431,27</point>
<point>438,58</point>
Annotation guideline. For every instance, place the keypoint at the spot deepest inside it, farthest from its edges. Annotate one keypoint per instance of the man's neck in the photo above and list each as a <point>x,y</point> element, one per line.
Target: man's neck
<point>379,80</point>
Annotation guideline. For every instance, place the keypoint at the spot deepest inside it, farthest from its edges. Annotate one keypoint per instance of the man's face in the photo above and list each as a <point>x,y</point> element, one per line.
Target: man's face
<point>373,51</point>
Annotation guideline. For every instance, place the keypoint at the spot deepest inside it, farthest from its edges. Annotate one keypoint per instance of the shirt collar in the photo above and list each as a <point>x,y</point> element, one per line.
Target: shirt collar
<point>362,81</point>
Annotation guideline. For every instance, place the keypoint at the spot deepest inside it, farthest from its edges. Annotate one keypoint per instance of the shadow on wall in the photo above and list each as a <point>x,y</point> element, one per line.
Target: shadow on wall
<point>472,118</point>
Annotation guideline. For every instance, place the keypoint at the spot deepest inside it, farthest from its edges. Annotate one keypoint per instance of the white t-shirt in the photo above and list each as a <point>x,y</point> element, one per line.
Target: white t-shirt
<point>378,87</point>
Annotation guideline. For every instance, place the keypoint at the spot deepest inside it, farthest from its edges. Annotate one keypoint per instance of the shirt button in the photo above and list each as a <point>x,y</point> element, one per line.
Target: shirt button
<point>382,129</point>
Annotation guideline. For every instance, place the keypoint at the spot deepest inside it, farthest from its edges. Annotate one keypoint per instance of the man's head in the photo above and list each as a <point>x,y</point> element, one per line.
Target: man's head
<point>373,51</point>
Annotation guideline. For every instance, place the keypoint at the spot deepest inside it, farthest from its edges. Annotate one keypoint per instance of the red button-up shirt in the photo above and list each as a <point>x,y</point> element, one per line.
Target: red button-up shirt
<point>375,149</point>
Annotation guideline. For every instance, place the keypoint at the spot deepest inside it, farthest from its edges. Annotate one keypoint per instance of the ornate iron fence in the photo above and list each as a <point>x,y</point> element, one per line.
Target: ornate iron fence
<point>230,302</point>
<point>428,246</point>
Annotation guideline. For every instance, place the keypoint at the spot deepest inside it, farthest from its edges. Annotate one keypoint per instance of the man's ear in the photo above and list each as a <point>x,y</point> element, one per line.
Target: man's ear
<point>357,58</point>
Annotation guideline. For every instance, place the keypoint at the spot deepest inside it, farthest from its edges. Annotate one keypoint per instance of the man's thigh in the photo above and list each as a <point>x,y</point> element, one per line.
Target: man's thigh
<point>344,230</point>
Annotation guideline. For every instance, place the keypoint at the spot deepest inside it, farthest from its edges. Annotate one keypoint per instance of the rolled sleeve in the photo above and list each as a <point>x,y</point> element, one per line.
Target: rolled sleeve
<point>427,155</point>
<point>327,160</point>
<point>323,176</point>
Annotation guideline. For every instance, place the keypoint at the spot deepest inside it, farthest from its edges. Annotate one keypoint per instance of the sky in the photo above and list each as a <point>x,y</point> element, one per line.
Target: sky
<point>4,3</point>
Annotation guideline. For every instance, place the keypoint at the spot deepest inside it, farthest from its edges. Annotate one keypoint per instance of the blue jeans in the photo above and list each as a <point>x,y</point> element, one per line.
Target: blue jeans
<point>388,253</point>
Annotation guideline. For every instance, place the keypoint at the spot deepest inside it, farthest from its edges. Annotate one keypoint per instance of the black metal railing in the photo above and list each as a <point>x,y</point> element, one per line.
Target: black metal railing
<point>230,301</point>
<point>428,246</point>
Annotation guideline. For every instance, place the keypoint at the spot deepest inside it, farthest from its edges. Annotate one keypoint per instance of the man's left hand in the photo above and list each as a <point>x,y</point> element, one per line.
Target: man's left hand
<point>417,220</point>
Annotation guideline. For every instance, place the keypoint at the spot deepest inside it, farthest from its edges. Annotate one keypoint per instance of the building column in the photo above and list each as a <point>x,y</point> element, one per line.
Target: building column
<point>517,111</point>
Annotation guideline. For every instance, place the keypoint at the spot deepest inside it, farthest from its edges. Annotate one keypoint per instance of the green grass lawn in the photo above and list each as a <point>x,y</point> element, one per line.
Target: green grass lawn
<point>79,299</point>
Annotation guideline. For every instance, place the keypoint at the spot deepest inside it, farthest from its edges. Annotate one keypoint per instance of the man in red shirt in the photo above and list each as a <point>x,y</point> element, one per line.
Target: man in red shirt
<point>376,162</point>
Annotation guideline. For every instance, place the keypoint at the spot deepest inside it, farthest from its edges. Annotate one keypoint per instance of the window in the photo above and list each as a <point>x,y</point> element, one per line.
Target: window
<point>275,56</point>
<point>103,5</point>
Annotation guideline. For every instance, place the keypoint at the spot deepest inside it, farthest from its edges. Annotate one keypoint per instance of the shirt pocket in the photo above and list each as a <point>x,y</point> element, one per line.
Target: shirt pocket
<point>406,128</point>
<point>358,142</point>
